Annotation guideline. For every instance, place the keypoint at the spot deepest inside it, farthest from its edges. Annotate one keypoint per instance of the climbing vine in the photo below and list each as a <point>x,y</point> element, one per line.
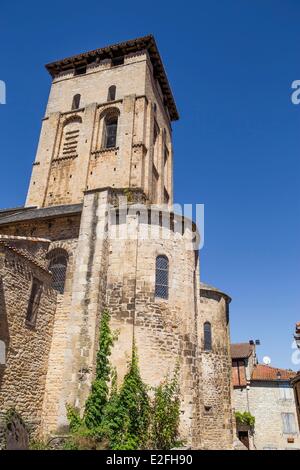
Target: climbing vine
<point>166,414</point>
<point>98,398</point>
<point>124,418</point>
<point>127,417</point>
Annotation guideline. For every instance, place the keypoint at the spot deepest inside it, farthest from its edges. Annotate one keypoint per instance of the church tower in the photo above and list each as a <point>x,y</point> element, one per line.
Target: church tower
<point>107,124</point>
<point>98,234</point>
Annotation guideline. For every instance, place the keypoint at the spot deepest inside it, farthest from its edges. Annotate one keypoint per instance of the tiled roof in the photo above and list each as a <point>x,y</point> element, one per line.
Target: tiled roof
<point>268,373</point>
<point>10,210</point>
<point>241,350</point>
<point>42,213</point>
<point>24,254</point>
<point>207,287</point>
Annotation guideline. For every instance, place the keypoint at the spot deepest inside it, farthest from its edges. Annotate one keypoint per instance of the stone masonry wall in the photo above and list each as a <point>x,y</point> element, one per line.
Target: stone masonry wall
<point>59,178</point>
<point>55,373</point>
<point>22,379</point>
<point>58,228</point>
<point>120,274</point>
<point>165,331</point>
<point>216,388</point>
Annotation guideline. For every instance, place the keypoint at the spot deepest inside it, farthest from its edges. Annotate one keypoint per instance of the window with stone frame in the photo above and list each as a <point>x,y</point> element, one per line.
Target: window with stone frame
<point>111,96</point>
<point>58,267</point>
<point>76,101</point>
<point>34,301</point>
<point>207,336</point>
<point>110,131</point>
<point>162,277</point>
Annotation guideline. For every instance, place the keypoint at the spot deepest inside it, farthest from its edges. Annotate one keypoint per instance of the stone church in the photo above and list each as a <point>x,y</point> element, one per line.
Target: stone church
<point>101,182</point>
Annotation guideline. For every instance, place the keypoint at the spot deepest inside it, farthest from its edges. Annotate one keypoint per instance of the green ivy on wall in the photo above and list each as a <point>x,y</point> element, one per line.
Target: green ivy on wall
<point>125,418</point>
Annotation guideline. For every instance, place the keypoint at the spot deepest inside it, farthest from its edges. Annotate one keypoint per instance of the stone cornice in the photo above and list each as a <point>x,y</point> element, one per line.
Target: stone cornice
<point>67,157</point>
<point>103,151</point>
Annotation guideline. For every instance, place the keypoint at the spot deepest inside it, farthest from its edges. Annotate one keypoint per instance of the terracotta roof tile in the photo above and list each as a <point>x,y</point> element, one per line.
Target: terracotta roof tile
<point>264,372</point>
<point>241,350</point>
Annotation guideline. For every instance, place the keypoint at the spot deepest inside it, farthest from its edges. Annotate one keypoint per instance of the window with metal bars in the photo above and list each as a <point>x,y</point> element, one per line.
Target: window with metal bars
<point>207,337</point>
<point>58,267</point>
<point>162,277</point>
<point>110,135</point>
<point>34,301</point>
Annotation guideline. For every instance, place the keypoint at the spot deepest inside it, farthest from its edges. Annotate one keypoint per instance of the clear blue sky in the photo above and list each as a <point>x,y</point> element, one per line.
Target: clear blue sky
<point>230,64</point>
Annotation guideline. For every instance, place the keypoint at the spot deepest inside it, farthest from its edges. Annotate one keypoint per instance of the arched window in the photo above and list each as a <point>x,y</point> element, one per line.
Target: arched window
<point>70,137</point>
<point>58,267</point>
<point>76,101</point>
<point>110,131</point>
<point>162,277</point>
<point>207,337</point>
<point>111,96</point>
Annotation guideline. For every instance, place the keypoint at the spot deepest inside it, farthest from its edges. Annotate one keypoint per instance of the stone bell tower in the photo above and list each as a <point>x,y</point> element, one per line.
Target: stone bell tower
<point>107,133</point>
<point>107,124</point>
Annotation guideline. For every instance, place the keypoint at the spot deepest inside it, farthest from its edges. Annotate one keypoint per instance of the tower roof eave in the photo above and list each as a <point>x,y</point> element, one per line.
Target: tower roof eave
<point>134,45</point>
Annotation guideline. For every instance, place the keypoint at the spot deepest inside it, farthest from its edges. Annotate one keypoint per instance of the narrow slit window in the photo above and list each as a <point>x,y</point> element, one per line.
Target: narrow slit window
<point>162,277</point>
<point>111,96</point>
<point>76,102</point>
<point>34,301</point>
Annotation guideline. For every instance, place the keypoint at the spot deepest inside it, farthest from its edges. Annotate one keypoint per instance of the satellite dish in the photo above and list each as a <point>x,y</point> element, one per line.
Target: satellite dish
<point>267,360</point>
